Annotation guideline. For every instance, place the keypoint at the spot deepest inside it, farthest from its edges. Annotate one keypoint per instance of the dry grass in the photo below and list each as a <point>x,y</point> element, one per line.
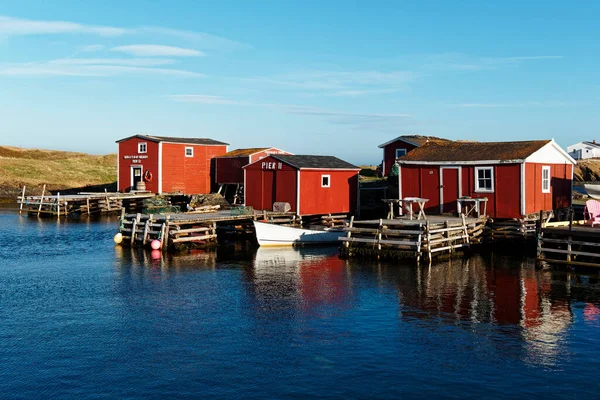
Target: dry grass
<point>57,169</point>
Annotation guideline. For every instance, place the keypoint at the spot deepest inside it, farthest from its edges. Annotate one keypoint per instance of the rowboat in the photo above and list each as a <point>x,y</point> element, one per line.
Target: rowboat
<point>278,235</point>
<point>592,189</point>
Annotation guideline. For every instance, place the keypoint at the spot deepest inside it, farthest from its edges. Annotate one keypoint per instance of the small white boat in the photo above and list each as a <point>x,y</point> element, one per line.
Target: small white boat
<point>592,189</point>
<point>278,235</point>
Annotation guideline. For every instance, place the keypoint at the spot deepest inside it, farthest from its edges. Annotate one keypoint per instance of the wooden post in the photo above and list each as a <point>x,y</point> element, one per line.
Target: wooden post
<point>42,200</point>
<point>569,249</point>
<point>349,233</point>
<point>165,237</point>
<point>379,235</point>
<point>58,205</point>
<point>134,226</point>
<point>428,231</point>
<point>22,201</point>
<point>87,201</point>
<point>146,228</point>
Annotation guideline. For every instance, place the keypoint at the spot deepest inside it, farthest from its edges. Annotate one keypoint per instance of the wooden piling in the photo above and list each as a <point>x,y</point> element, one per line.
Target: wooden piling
<point>41,200</point>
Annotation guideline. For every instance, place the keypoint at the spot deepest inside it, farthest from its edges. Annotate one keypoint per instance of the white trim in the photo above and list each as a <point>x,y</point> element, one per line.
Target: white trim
<point>396,152</point>
<point>298,192</point>
<point>546,168</point>
<point>457,163</point>
<point>400,183</point>
<point>328,180</point>
<point>536,156</point>
<point>186,151</point>
<point>399,138</point>
<point>477,189</point>
<point>159,178</point>
<point>523,191</point>
<point>458,184</point>
<point>383,164</point>
<point>131,167</point>
<point>245,188</point>
<point>118,165</point>
<point>140,147</point>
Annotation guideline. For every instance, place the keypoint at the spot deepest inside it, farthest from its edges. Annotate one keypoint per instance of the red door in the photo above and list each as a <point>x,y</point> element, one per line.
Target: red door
<point>430,183</point>
<point>449,189</point>
<point>269,191</point>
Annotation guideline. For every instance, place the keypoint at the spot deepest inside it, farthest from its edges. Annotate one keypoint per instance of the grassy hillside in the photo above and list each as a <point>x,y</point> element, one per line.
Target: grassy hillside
<point>59,170</point>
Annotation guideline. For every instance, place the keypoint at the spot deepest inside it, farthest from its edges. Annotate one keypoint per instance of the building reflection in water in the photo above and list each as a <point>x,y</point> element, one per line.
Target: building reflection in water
<point>310,279</point>
<point>506,295</point>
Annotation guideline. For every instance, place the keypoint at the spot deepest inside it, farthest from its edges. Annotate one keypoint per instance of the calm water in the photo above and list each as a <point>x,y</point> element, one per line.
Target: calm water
<point>80,318</point>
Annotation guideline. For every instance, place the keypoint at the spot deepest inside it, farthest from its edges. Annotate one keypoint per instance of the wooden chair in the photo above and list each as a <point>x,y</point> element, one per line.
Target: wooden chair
<point>591,213</point>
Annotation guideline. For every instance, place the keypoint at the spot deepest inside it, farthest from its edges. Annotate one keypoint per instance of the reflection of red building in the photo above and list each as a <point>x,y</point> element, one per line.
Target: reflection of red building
<point>167,164</point>
<point>323,281</point>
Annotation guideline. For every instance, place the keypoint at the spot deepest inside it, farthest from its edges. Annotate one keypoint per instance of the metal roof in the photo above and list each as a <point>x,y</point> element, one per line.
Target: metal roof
<point>244,152</point>
<point>168,139</point>
<point>315,162</point>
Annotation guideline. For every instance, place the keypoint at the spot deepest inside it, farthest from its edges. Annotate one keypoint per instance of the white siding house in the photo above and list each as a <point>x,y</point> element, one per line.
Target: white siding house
<point>583,150</point>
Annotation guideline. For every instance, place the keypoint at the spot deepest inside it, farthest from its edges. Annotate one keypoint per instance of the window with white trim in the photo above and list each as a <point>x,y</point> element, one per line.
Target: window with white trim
<point>189,152</point>
<point>325,180</point>
<point>400,152</point>
<point>484,179</point>
<point>142,147</point>
<point>546,179</point>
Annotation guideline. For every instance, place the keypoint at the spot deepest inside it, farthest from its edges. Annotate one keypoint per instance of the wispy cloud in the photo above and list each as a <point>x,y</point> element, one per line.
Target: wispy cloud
<point>90,48</point>
<point>510,105</point>
<point>208,99</point>
<point>339,80</point>
<point>155,50</point>
<point>17,26</point>
<point>12,26</point>
<point>82,67</point>
<point>134,62</point>
<point>204,40</point>
<point>339,83</point>
<point>331,116</point>
<point>463,62</point>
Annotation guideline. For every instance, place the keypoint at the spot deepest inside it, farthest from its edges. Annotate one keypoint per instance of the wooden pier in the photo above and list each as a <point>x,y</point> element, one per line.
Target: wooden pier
<point>173,230</point>
<point>82,203</point>
<point>411,238</point>
<point>569,242</point>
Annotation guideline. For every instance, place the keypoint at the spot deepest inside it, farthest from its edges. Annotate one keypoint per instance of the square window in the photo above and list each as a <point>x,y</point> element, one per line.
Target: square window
<point>484,179</point>
<point>400,152</point>
<point>325,180</point>
<point>545,179</point>
<point>189,152</point>
<point>142,147</point>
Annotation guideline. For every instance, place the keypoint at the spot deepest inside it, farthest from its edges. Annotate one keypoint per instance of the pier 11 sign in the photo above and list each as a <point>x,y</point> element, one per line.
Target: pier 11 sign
<point>271,165</point>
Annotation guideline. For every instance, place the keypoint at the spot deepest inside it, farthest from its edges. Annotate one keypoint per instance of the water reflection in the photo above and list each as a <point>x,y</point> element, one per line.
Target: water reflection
<point>506,296</point>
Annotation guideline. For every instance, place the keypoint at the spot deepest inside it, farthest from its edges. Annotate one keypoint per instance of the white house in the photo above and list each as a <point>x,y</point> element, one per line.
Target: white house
<point>585,149</point>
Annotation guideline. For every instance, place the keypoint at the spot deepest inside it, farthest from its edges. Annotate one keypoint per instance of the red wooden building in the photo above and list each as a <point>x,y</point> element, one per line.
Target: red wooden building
<point>517,178</point>
<point>398,147</point>
<point>229,165</point>
<point>167,164</point>
<point>310,184</point>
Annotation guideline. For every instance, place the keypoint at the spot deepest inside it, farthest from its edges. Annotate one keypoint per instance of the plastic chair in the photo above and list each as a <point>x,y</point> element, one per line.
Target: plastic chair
<point>592,212</point>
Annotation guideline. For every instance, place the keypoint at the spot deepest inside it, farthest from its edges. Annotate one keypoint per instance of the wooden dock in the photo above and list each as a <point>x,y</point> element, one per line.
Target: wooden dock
<point>176,229</point>
<point>411,238</point>
<point>82,203</point>
<point>569,242</point>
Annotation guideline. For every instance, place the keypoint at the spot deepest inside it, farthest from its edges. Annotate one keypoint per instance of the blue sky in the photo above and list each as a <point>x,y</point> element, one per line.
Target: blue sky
<point>321,77</point>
